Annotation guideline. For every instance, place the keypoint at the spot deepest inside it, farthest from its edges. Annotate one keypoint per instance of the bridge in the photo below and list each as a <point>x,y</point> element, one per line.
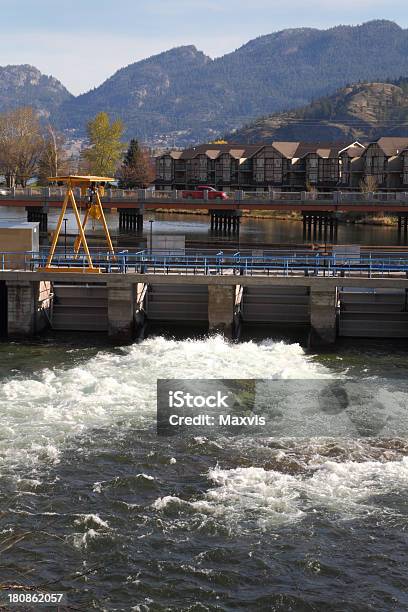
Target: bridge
<point>329,296</point>
<point>319,209</point>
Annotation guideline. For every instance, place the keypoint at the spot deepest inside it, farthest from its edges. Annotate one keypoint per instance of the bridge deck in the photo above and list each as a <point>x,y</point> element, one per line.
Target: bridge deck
<point>283,201</point>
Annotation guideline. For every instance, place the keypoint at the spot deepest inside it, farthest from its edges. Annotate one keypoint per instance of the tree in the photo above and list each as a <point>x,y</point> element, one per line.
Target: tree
<point>53,160</point>
<point>106,148</point>
<point>369,184</point>
<point>137,169</point>
<point>20,145</point>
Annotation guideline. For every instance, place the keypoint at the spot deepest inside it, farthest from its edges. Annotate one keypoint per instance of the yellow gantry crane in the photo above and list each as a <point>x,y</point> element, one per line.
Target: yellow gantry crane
<point>92,187</point>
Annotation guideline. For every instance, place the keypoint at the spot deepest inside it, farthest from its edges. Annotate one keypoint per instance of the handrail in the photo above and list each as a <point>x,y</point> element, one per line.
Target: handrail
<point>45,194</point>
<point>220,263</point>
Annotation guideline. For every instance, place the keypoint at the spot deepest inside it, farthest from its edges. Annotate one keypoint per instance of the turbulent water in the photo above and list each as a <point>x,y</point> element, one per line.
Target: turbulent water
<point>95,504</point>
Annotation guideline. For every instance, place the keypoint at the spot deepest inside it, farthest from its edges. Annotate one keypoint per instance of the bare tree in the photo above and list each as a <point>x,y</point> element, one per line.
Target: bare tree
<point>368,184</point>
<point>53,160</point>
<point>20,145</point>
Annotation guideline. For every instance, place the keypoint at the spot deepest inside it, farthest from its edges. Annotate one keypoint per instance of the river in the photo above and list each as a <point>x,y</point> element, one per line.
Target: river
<point>123,520</point>
<point>196,229</point>
<point>95,504</point>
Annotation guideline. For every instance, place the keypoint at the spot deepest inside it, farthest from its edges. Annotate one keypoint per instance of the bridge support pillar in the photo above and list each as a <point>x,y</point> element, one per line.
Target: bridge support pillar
<point>323,317</point>
<point>221,305</point>
<point>226,221</point>
<point>121,311</point>
<point>28,304</point>
<point>402,227</point>
<point>317,225</point>
<point>131,220</point>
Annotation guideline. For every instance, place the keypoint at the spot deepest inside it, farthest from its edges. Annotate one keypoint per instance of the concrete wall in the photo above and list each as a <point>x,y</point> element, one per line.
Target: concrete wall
<point>28,306</point>
<point>221,306</point>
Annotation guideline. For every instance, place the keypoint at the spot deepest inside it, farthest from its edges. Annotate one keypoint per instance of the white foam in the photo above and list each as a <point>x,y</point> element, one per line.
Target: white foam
<point>40,413</point>
<point>346,488</point>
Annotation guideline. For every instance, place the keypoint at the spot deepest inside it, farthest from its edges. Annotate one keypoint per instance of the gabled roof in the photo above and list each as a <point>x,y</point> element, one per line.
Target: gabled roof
<point>353,151</point>
<point>287,149</point>
<point>322,149</point>
<point>176,154</point>
<point>391,145</point>
<point>213,151</point>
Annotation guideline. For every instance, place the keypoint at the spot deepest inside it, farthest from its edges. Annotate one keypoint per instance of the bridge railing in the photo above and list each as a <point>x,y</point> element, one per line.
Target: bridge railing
<point>146,262</point>
<point>44,194</point>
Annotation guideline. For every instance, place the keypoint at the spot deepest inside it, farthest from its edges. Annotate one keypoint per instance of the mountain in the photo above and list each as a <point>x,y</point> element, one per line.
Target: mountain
<point>154,96</point>
<point>183,95</point>
<point>26,86</point>
<point>364,111</point>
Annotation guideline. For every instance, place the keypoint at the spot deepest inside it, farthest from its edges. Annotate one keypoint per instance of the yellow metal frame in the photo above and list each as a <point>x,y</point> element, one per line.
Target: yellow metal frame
<point>85,182</point>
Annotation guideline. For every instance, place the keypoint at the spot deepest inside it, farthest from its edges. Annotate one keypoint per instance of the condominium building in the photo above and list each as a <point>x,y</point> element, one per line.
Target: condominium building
<point>287,166</point>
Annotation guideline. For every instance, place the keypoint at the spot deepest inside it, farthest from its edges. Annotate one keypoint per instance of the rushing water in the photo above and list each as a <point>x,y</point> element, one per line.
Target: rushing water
<point>95,504</point>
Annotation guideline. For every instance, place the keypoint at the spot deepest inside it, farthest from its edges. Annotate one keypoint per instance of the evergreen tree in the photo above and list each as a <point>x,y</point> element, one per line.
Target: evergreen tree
<point>137,171</point>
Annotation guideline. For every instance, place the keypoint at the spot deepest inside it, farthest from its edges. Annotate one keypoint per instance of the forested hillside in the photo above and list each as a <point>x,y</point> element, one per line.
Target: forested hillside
<point>184,96</point>
<point>362,111</point>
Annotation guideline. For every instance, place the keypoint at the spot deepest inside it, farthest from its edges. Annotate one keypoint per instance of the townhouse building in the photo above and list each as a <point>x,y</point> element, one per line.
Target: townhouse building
<point>287,166</point>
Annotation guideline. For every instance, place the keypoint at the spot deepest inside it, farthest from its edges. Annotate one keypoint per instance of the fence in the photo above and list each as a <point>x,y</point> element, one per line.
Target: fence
<point>146,262</point>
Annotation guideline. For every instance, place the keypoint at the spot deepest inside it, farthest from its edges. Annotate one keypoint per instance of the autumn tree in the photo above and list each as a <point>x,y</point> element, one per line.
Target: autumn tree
<point>106,149</point>
<point>137,170</point>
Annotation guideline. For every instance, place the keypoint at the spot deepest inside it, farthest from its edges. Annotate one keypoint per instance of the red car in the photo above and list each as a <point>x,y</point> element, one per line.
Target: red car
<point>198,193</point>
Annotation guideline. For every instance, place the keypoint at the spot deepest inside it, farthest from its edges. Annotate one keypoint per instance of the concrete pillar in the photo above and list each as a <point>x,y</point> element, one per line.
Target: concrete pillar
<point>22,306</point>
<point>323,316</point>
<point>121,310</point>
<point>221,304</point>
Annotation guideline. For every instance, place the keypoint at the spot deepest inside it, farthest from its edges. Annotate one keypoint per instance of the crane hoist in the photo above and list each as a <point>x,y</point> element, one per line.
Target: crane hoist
<point>92,187</point>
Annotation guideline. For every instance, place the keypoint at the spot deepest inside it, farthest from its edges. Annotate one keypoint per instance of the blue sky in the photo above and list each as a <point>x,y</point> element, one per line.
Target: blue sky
<point>82,42</point>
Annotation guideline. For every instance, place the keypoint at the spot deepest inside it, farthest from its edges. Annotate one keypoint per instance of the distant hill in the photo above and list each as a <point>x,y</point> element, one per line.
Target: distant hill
<point>26,86</point>
<point>182,96</point>
<point>364,111</point>
<point>186,96</point>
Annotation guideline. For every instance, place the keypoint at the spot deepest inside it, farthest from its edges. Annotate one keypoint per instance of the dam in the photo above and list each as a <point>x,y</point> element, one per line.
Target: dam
<point>331,297</point>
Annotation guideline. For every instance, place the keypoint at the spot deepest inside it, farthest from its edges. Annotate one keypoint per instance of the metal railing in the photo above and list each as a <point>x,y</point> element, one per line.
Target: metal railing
<point>146,262</point>
<point>44,194</point>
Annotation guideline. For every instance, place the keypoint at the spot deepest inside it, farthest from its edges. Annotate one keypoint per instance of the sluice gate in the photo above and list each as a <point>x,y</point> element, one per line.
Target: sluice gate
<point>376,313</point>
<point>277,304</point>
<point>80,308</point>
<point>178,303</point>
